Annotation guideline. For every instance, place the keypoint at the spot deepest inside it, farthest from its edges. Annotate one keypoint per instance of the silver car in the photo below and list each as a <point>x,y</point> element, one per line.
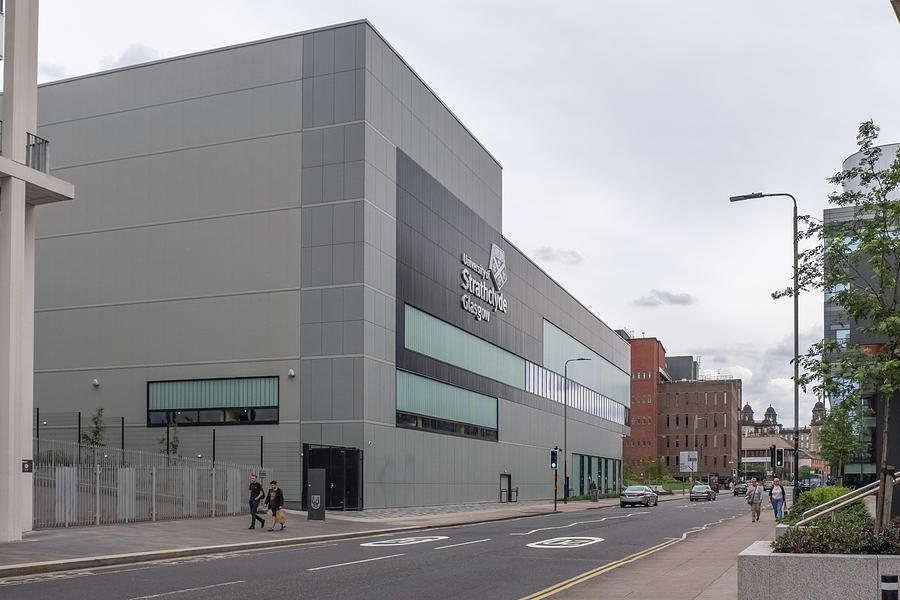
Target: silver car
<point>703,492</point>
<point>638,494</point>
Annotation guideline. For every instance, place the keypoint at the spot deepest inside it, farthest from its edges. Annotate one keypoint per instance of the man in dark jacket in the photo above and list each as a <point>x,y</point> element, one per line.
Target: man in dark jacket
<point>275,500</point>
<point>256,496</point>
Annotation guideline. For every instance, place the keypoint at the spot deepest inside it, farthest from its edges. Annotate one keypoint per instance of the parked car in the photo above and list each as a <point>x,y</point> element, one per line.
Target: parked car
<point>703,492</point>
<point>638,494</point>
<point>740,489</point>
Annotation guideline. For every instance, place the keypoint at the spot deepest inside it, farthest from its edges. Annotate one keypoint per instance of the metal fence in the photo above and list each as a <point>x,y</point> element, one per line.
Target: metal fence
<point>230,444</point>
<point>76,484</point>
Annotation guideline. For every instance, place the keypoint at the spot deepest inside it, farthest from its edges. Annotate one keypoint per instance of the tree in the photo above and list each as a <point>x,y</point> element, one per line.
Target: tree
<point>841,436</point>
<point>804,472</point>
<point>654,470</point>
<point>170,441</point>
<point>95,431</point>
<point>856,261</point>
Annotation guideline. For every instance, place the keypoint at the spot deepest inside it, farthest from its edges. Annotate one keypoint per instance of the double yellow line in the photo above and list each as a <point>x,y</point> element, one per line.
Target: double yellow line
<point>564,585</point>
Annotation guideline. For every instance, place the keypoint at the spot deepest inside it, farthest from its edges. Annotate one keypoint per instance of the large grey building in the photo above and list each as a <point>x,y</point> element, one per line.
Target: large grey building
<point>295,243</point>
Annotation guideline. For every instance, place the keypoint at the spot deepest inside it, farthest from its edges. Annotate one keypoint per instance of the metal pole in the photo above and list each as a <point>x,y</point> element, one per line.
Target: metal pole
<point>214,446</point>
<point>260,452</point>
<point>78,439</point>
<point>97,494</point>
<point>566,433</point>
<point>796,362</point>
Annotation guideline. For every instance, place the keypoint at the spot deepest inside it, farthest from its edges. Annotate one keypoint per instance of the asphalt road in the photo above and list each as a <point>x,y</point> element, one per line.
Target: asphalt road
<point>497,560</point>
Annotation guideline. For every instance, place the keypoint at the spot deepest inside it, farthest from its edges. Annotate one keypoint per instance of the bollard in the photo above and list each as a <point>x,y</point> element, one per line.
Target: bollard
<point>889,587</point>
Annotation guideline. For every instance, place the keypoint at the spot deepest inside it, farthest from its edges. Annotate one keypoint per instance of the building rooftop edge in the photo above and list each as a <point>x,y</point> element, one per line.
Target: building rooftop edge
<point>284,37</point>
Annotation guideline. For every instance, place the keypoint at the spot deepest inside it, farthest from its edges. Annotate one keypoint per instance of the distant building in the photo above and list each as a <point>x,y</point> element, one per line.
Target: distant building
<point>702,416</point>
<point>768,426</point>
<point>683,368</point>
<point>756,455</point>
<point>648,371</point>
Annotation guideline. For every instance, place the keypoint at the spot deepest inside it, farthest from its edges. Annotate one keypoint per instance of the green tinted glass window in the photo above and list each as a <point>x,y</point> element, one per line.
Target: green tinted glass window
<point>245,392</point>
<point>435,338</point>
<point>432,398</point>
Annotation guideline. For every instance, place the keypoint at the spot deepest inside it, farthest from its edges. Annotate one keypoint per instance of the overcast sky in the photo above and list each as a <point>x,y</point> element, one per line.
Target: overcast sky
<point>622,127</point>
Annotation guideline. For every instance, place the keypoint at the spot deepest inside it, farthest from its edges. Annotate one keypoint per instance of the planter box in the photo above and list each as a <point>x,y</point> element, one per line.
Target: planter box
<point>765,575</point>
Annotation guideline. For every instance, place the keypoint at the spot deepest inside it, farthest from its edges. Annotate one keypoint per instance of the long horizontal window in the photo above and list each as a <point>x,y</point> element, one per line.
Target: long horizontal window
<point>431,398</point>
<point>437,339</point>
<point>440,340</point>
<point>241,400</point>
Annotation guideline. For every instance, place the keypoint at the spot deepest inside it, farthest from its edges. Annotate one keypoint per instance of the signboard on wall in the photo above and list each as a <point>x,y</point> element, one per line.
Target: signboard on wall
<point>482,294</point>
<point>687,461</point>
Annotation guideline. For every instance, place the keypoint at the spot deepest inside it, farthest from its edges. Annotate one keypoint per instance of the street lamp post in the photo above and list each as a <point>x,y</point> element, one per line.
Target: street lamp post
<point>796,294</point>
<point>566,427</point>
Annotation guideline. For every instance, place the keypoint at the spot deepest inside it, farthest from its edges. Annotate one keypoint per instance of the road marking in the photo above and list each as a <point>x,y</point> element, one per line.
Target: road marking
<point>582,523</point>
<point>354,562</point>
<point>565,542</point>
<point>406,541</point>
<point>195,589</point>
<point>463,544</point>
<point>564,585</point>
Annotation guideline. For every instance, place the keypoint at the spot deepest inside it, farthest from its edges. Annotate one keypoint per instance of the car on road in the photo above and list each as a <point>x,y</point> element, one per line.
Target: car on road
<point>703,492</point>
<point>638,494</point>
<point>740,489</point>
<point>767,484</point>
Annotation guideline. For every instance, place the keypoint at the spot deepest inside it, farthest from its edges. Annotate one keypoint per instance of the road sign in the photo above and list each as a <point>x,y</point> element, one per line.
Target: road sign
<point>687,461</point>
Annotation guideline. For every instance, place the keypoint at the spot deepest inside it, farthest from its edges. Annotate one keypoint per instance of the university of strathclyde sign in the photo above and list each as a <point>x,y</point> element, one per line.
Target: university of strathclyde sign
<point>484,284</point>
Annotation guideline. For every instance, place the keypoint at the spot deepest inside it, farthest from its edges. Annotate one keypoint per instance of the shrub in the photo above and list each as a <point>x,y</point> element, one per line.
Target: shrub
<point>856,512</point>
<point>842,536</point>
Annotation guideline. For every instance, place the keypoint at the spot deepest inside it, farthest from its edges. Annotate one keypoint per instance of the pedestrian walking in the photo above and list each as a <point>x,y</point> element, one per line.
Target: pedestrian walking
<point>754,499</point>
<point>275,500</point>
<point>776,498</point>
<point>256,496</point>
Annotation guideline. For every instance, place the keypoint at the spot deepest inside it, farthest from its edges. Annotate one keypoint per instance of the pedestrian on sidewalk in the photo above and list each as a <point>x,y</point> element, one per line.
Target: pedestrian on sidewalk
<point>754,499</point>
<point>275,500</point>
<point>776,498</point>
<point>256,496</point>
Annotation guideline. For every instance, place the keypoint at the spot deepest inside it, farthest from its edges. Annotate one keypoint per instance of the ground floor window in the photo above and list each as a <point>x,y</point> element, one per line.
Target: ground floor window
<point>604,473</point>
<point>239,400</point>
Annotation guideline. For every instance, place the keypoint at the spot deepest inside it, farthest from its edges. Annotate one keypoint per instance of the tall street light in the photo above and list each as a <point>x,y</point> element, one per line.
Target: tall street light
<point>796,294</point>
<point>566,427</point>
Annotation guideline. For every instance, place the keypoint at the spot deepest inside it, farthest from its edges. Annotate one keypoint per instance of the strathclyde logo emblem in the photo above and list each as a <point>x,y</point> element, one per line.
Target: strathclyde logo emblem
<point>498,266</point>
<point>315,501</point>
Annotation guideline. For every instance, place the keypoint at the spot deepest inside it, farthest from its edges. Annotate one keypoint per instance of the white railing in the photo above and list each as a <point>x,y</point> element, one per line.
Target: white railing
<point>829,508</point>
<point>76,484</point>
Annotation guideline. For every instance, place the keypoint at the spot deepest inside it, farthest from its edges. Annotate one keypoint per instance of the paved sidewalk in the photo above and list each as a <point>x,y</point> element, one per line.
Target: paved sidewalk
<point>702,566</point>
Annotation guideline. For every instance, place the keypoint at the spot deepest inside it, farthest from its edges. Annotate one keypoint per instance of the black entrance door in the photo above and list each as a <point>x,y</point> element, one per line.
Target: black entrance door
<point>343,475</point>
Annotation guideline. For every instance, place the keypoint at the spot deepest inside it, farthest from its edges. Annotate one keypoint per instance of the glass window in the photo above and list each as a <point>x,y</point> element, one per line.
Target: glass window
<point>842,336</point>
<point>428,335</point>
<point>428,397</point>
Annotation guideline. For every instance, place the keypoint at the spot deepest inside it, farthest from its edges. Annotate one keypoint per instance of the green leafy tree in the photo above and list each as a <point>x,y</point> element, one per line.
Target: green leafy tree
<point>841,436</point>
<point>804,472</point>
<point>654,471</point>
<point>856,260</point>
<point>94,436</point>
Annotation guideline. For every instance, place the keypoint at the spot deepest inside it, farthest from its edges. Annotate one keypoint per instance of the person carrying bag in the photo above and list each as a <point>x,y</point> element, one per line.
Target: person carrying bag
<point>275,502</point>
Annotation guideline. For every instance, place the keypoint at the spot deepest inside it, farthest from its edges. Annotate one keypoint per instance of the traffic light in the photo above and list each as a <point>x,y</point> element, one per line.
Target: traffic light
<point>772,456</point>
<point>553,459</point>
<point>779,457</point>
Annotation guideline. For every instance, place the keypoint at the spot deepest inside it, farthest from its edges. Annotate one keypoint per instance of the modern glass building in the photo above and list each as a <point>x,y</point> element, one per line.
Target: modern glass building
<point>295,243</point>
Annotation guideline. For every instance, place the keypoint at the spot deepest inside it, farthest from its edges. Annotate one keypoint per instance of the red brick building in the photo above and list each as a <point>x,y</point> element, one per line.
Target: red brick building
<point>648,370</point>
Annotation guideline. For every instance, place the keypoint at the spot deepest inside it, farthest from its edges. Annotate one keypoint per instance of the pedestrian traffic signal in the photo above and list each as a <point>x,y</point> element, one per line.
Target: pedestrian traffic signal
<point>553,459</point>
<point>779,457</point>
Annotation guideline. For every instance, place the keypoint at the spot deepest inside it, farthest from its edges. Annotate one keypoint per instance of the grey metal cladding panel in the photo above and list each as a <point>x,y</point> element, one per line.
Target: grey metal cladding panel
<point>222,179</point>
<point>167,81</point>
<point>434,228</point>
<point>252,326</point>
<point>193,258</point>
<point>253,113</point>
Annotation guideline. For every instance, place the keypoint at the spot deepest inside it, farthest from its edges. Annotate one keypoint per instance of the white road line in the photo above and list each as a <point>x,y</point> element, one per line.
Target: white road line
<point>205,587</point>
<point>463,544</point>
<point>582,523</point>
<point>354,562</point>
